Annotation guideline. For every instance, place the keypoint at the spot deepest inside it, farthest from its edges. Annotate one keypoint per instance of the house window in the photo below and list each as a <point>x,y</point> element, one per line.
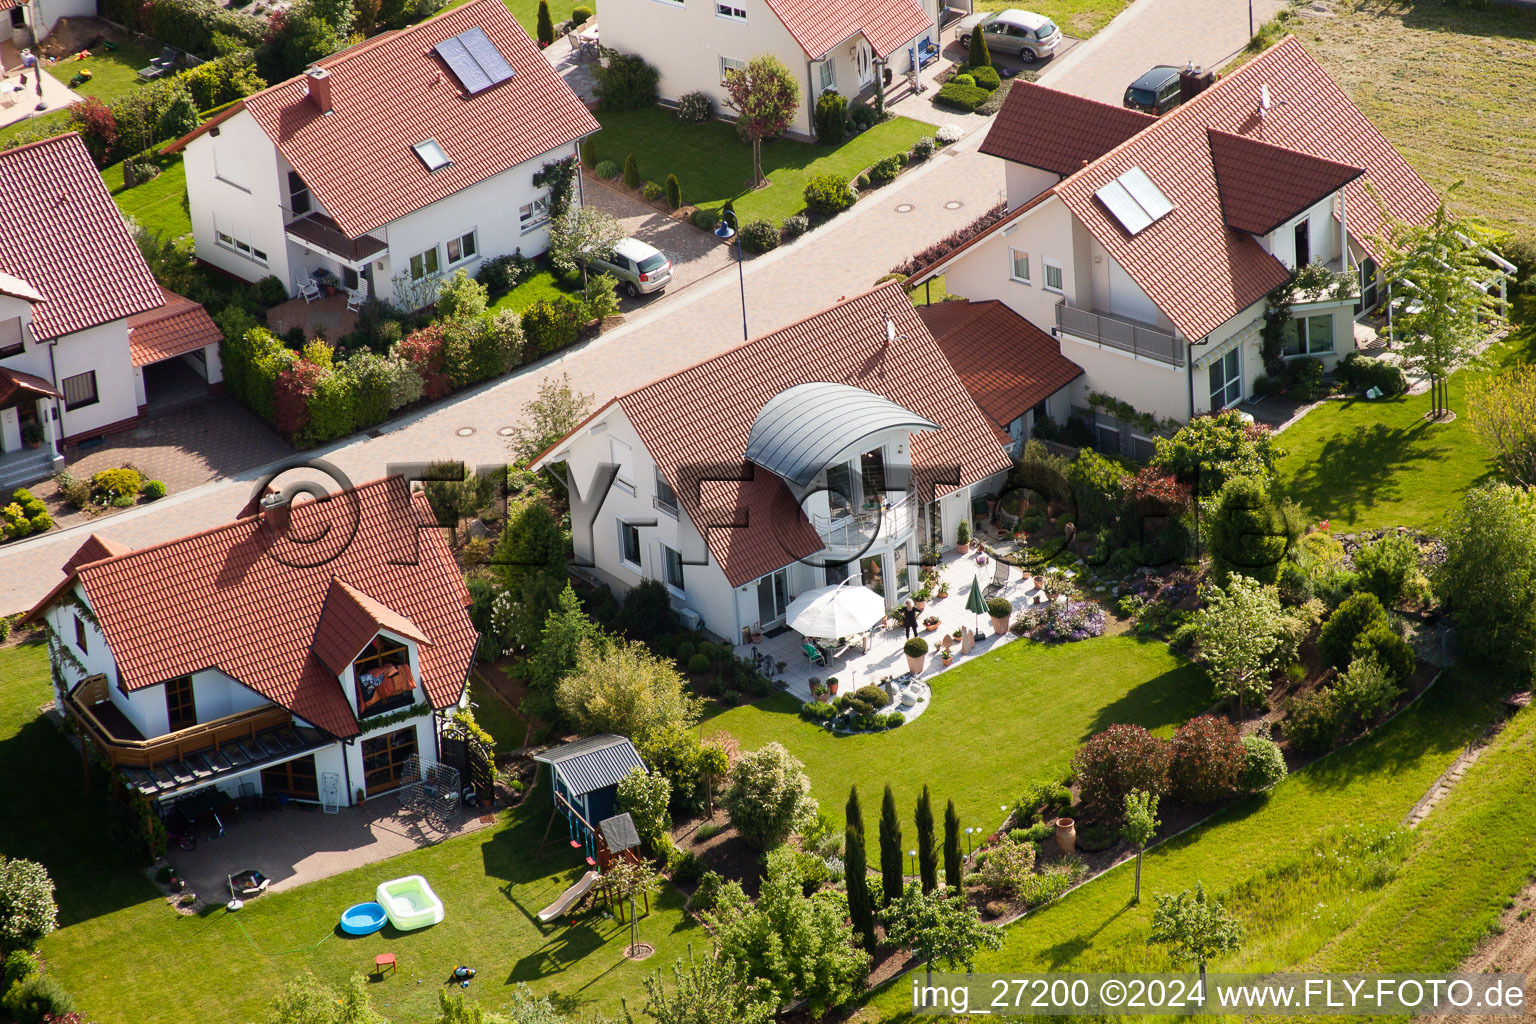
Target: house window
<point>674,566</point>
<point>531,215</point>
<point>298,194</point>
<point>349,279</point>
<point>1309,336</point>
<point>1018,265</point>
<point>629,544</point>
<point>80,390</point>
<point>382,677</point>
<point>11,340</point>
<point>80,637</point>
<point>462,248</point>
<point>1303,236</point>
<point>619,455</point>
<point>296,779</point>
<point>424,265</point>
<point>666,497</point>
<point>1052,275</point>
<point>1226,378</point>
<point>239,244</point>
<point>432,154</point>
<point>384,760</point>
<point>727,11</point>
<point>180,711</point>
<point>828,75</point>
<point>730,64</point>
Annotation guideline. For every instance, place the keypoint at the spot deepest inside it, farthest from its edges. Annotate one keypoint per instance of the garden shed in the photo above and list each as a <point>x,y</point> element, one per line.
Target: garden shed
<point>586,773</point>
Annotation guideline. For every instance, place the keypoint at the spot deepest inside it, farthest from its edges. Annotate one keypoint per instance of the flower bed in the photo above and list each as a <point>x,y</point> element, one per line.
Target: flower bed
<point>1060,623</point>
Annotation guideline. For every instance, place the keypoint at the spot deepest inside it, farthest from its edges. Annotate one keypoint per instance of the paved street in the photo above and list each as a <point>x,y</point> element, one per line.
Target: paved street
<point>786,285</point>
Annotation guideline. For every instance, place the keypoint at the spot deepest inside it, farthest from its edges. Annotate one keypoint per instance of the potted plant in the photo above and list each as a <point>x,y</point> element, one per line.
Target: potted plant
<point>832,685</point>
<point>962,537</point>
<point>757,632</point>
<point>819,690</point>
<point>360,797</point>
<point>920,598</point>
<point>930,623</point>
<point>944,589</point>
<point>1066,834</point>
<point>32,434</point>
<point>916,649</point>
<point>945,655</point>
<point>1000,610</point>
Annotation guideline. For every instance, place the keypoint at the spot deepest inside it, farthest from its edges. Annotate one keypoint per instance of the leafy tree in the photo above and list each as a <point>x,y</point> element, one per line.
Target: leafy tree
<point>1238,632</point>
<point>566,628</point>
<point>769,796</point>
<point>1195,927</point>
<point>1502,410</point>
<point>530,565</point>
<point>1440,264</point>
<point>765,96</point>
<point>979,57</point>
<point>1116,761</point>
<point>1208,450</point>
<point>940,925</point>
<point>1139,827</point>
<point>927,855</point>
<point>953,865</point>
<point>339,14</point>
<point>460,296</point>
<point>891,873</point>
<point>714,765</point>
<point>1249,532</point>
<point>711,991</point>
<point>307,1000</point>
<point>626,879</point>
<point>179,115</point>
<point>547,418</point>
<point>173,265</point>
<point>545,28</point>
<point>798,945</point>
<point>27,907</point>
<point>861,908</point>
<point>644,794</point>
<point>1488,578</point>
<point>1358,615</point>
<point>623,688</point>
<point>582,234</point>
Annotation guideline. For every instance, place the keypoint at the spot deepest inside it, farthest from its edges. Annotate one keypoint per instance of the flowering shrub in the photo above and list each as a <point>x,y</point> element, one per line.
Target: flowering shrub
<point>1207,759</point>
<point>1263,764</point>
<point>423,349</point>
<point>1007,866</point>
<point>1116,761</point>
<point>949,133</point>
<point>1060,624</point>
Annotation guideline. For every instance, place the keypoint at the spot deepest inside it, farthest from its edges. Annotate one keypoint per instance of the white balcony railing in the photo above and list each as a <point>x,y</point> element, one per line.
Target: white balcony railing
<point>894,520</point>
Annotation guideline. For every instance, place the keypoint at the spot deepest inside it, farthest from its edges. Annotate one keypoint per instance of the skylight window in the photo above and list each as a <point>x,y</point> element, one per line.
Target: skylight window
<point>432,154</point>
<point>1134,200</point>
<point>474,60</point>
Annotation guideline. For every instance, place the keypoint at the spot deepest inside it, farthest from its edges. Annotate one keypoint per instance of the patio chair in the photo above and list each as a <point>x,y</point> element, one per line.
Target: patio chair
<point>306,287</point>
<point>814,655</point>
<point>354,300</point>
<point>999,577</point>
<point>153,71</point>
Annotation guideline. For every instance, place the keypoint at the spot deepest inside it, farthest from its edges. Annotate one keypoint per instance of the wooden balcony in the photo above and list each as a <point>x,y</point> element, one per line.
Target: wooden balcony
<point>120,742</point>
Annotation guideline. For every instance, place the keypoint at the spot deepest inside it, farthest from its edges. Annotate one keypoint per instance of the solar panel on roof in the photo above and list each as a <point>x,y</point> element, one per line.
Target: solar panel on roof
<point>1146,194</point>
<point>1126,210</point>
<point>474,60</point>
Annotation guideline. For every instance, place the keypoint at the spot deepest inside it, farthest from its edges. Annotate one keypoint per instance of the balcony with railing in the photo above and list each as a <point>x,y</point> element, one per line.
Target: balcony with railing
<point>892,519</point>
<point>1118,332</point>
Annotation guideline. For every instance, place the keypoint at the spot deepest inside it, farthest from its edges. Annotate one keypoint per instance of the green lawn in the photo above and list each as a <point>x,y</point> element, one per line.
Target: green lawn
<point>126,957</point>
<point>1364,465</point>
<point>1267,855</point>
<point>527,12</point>
<point>159,205</point>
<point>997,724</point>
<point>496,717</point>
<point>113,73</point>
<point>1077,18</point>
<point>713,165</point>
<point>542,284</point>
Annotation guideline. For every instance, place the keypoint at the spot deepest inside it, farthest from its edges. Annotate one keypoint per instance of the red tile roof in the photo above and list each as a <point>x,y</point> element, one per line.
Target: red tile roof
<point>222,599</point>
<point>1006,363</point>
<point>64,237</point>
<point>178,326</point>
<point>819,25</point>
<point>393,92</point>
<point>18,289</point>
<point>1261,186</point>
<point>1057,131</point>
<point>349,621</point>
<point>700,418</point>
<point>14,382</point>
<point>95,549</point>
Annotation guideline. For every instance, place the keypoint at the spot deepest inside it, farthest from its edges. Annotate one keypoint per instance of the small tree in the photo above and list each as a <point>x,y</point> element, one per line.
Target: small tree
<point>631,172</point>
<point>1249,531</point>
<point>627,879</point>
<point>927,854</point>
<point>765,96</point>
<point>623,688</point>
<point>769,797</point>
<point>711,991</point>
<point>1139,827</point>
<point>714,765</point>
<point>1440,264</point>
<point>27,907</point>
<point>582,234</point>
<point>530,565</point>
<point>1237,631</point>
<point>953,865</point>
<point>546,25</point>
<point>307,1000</point>
<point>979,56</point>
<point>940,925</point>
<point>891,874</point>
<point>644,794</point>
<point>1195,927</point>
<point>674,192</point>
<point>1503,414</point>
<point>547,418</point>
<point>1489,575</point>
<point>861,909</point>
<point>853,811</point>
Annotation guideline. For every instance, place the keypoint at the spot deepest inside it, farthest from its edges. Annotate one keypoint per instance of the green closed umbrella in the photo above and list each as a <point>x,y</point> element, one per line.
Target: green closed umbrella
<point>974,603</point>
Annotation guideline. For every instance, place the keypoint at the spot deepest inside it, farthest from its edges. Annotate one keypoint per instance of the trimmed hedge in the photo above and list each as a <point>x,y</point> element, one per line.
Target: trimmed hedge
<point>961,97</point>
<point>828,194</point>
<point>759,236</point>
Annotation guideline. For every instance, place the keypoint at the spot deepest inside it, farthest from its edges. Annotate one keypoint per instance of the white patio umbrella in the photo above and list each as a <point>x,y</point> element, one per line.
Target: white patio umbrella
<point>836,611</point>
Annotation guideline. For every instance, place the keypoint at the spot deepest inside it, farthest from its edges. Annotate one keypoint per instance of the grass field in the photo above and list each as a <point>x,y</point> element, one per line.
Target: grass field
<point>542,284</point>
<point>1365,465</point>
<point>113,73</point>
<point>159,205</point>
<point>996,724</point>
<point>1077,18</point>
<point>713,165</point>
<point>127,957</point>
<point>1449,85</point>
<point>1266,855</point>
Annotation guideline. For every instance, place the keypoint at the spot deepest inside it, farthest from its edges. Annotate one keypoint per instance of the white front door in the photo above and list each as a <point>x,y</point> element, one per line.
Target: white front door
<point>865,57</point>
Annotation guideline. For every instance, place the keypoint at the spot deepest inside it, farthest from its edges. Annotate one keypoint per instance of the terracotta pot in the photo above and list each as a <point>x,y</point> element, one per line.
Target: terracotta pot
<point>915,665</point>
<point>832,688</point>
<point>920,605</point>
<point>1066,834</point>
<point>929,627</point>
<point>999,626</point>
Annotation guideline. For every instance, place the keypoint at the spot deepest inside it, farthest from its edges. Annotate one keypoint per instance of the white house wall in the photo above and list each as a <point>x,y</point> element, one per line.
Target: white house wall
<point>234,186</point>
<point>216,695</point>
<point>1025,182</point>
<point>1322,233</point>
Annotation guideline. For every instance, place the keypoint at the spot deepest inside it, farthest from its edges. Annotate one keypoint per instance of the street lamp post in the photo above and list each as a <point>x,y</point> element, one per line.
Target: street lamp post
<point>968,841</point>
<point>725,232</point>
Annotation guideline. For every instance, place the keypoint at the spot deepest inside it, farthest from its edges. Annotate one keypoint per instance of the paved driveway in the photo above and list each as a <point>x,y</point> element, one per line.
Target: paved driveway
<point>695,254</point>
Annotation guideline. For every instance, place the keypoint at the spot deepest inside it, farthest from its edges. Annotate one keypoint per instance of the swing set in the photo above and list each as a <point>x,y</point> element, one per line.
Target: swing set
<point>615,840</point>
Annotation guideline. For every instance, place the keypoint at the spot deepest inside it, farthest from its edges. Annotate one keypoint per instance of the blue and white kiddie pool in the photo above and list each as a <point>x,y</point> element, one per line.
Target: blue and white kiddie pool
<point>363,919</point>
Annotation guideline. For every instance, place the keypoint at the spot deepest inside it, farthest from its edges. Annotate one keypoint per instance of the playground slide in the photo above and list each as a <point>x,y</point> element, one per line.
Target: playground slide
<point>570,896</point>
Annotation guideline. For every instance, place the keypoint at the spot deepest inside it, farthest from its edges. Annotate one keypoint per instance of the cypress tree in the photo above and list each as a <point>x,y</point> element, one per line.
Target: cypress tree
<point>545,29</point>
<point>927,854</point>
<point>890,848</point>
<point>631,172</point>
<point>854,812</point>
<point>861,910</point>
<point>980,56</point>
<point>952,862</point>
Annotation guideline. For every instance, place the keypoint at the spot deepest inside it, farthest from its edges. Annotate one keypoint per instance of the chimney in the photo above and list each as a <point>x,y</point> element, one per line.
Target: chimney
<point>319,88</point>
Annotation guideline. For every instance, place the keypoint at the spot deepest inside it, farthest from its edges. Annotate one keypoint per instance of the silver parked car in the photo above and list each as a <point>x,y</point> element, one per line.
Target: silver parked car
<point>1027,35</point>
<point>639,268</point>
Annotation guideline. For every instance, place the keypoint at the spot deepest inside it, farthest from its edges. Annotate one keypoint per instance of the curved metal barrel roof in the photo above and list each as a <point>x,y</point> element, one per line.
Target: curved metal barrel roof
<point>801,428</point>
